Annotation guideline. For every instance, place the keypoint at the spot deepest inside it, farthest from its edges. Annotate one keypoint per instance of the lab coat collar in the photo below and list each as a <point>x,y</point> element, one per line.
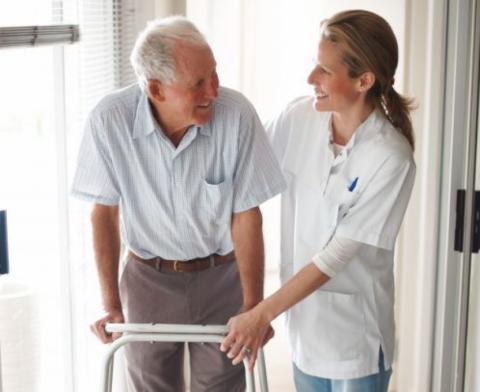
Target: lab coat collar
<point>369,128</point>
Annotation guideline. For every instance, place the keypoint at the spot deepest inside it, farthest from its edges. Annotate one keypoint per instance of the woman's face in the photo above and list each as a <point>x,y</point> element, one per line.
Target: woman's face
<point>335,90</point>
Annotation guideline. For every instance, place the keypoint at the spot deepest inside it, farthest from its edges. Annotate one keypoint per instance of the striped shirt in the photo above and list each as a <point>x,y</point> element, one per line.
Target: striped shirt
<point>175,202</point>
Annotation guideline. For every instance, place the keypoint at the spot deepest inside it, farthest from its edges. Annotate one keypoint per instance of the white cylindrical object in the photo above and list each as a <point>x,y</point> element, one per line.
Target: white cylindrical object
<point>19,337</point>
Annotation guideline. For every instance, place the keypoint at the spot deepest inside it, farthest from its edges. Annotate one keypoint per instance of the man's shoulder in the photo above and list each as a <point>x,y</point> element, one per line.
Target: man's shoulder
<point>124,100</point>
<point>233,101</point>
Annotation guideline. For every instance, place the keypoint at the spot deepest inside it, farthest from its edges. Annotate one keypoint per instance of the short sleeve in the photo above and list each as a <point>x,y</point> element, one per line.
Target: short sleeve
<point>376,216</point>
<point>94,178</point>
<point>257,175</point>
<point>278,134</point>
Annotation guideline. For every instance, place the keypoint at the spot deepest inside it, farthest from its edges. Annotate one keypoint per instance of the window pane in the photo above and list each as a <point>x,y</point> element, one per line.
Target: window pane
<point>29,190</point>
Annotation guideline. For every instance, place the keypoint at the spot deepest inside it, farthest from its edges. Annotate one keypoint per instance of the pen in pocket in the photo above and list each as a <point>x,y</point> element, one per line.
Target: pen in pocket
<point>353,184</point>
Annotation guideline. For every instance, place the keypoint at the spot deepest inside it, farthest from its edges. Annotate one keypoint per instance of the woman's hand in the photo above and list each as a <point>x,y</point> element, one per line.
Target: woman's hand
<point>248,331</point>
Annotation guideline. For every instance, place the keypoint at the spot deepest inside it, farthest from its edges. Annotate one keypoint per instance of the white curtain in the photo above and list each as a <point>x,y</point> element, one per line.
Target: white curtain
<point>94,68</point>
<point>266,48</point>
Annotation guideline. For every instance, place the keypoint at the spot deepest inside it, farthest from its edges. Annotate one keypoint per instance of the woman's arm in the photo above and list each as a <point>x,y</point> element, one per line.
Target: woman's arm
<point>247,330</point>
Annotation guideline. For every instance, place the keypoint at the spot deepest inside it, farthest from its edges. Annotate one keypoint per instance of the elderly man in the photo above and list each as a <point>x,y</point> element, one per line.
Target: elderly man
<point>179,165</point>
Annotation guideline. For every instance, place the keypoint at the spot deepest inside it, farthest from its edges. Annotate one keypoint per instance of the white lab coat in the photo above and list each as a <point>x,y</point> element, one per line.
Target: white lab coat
<point>336,332</point>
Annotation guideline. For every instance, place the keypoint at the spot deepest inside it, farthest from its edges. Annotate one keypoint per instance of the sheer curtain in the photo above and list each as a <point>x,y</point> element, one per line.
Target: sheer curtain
<point>46,94</point>
<point>99,65</point>
<point>266,49</point>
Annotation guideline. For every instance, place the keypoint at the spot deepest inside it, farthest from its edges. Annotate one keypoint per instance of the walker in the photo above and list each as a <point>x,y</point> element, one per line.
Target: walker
<point>175,333</point>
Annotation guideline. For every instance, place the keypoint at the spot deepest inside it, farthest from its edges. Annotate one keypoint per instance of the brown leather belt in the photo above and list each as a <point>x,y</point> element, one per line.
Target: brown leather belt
<point>194,265</point>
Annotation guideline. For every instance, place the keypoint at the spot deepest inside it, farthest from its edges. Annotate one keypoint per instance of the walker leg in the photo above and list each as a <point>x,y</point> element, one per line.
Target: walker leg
<point>262,371</point>
<point>165,333</point>
<point>249,377</point>
<point>106,384</point>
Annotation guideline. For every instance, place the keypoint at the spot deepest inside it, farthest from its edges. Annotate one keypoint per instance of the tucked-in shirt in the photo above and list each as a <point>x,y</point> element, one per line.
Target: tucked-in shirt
<point>176,202</point>
<point>360,194</point>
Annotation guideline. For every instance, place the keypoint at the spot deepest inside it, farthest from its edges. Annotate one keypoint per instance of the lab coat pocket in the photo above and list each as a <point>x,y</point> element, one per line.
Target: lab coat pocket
<point>341,328</point>
<point>346,200</point>
<point>316,217</point>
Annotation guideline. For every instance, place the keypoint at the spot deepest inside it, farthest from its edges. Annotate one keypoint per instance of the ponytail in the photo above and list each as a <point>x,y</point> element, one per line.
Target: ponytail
<point>367,43</point>
<point>397,109</point>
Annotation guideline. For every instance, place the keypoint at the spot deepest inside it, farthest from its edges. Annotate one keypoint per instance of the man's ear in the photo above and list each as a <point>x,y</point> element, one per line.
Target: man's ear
<point>366,81</point>
<point>155,90</point>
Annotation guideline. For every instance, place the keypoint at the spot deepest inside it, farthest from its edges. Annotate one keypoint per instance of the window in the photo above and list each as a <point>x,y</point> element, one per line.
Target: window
<point>29,191</point>
<point>46,94</point>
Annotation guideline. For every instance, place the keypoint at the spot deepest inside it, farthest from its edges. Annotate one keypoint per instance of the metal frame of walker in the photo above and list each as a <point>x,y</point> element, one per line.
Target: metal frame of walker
<point>175,333</point>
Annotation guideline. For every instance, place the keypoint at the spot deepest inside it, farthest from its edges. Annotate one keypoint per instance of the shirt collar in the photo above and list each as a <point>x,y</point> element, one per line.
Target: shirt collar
<point>145,122</point>
<point>206,129</point>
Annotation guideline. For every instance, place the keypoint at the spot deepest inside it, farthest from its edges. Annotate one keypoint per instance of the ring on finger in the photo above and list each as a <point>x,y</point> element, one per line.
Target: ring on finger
<point>246,350</point>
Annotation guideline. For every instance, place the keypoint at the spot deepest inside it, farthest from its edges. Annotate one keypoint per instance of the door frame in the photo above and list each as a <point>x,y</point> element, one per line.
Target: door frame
<point>458,172</point>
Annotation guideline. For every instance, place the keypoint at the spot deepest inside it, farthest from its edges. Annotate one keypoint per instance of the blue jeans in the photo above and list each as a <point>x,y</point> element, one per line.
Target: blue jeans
<point>377,382</point>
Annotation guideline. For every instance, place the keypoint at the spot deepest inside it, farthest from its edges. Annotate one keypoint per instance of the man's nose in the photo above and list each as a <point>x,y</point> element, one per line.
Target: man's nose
<point>212,88</point>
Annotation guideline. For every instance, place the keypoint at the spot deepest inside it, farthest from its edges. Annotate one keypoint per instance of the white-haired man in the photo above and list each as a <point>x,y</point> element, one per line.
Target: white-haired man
<point>183,164</point>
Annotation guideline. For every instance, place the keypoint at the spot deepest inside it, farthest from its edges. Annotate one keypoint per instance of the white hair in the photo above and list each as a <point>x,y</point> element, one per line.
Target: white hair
<point>153,54</point>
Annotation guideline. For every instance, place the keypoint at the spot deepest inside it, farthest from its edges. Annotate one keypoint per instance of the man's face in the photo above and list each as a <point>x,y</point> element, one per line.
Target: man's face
<point>189,100</point>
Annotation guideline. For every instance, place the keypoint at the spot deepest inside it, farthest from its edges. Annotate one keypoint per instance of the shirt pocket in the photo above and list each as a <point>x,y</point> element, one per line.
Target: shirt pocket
<point>217,201</point>
<point>341,326</point>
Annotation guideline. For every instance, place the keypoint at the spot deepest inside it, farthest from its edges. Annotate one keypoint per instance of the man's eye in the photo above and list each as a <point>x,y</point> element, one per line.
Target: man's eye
<point>200,83</point>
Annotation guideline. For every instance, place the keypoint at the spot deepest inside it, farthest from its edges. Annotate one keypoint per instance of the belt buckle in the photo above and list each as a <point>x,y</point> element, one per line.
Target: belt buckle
<point>175,264</point>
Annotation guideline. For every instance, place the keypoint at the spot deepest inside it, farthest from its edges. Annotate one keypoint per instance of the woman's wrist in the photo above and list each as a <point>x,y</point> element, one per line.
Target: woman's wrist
<point>265,311</point>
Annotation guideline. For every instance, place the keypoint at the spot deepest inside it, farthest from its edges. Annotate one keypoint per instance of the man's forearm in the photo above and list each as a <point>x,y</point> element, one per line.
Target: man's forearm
<point>106,244</point>
<point>248,242</point>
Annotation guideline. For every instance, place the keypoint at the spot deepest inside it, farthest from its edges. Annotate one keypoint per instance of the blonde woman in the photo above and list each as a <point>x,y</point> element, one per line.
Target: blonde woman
<point>347,153</point>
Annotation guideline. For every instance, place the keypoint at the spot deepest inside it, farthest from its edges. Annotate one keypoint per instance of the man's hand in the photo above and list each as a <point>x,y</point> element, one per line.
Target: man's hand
<point>106,244</point>
<point>98,327</point>
<point>268,335</point>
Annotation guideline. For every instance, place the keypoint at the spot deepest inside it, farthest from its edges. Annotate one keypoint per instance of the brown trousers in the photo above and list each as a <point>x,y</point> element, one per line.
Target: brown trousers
<point>211,296</point>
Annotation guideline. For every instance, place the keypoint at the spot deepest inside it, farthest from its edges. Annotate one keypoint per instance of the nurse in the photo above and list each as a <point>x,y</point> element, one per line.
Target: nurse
<point>347,153</point>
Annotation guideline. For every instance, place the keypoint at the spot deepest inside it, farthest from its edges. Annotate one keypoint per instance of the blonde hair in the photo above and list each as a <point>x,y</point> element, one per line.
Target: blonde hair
<point>367,43</point>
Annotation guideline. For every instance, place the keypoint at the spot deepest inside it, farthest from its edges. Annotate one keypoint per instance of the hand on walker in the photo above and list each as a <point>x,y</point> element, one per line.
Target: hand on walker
<point>247,333</point>
<point>98,327</point>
